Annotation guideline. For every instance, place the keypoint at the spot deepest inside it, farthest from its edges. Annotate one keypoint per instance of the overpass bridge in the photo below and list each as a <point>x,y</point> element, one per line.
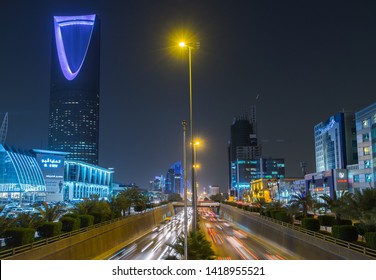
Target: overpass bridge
<point>200,204</point>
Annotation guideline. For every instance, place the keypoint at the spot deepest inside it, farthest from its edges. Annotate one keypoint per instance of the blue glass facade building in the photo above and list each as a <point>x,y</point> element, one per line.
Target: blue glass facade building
<point>245,171</point>
<point>20,175</point>
<point>335,142</point>
<point>46,175</point>
<point>174,179</point>
<point>82,180</point>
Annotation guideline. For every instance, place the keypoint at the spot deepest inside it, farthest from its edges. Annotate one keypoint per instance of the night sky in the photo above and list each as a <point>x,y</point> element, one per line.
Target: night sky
<point>305,60</point>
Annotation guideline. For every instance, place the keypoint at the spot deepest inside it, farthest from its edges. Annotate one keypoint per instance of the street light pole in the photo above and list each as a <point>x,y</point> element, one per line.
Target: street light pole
<point>184,123</point>
<point>194,193</point>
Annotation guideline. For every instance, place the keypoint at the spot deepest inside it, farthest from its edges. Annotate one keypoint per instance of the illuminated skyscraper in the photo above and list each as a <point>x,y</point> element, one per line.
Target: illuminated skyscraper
<point>74,94</point>
<point>174,182</point>
<point>335,142</point>
<point>243,150</point>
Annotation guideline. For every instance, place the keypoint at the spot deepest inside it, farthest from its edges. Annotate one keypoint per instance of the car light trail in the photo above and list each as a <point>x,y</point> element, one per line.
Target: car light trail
<point>147,246</point>
<point>157,245</point>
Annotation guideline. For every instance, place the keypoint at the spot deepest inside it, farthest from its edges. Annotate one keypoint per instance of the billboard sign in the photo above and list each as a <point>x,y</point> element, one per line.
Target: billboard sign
<point>52,167</point>
<point>341,180</point>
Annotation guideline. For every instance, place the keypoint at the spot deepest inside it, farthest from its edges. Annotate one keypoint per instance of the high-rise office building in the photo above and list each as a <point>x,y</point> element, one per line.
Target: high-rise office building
<point>74,93</point>
<point>158,184</point>
<point>246,171</point>
<point>243,150</point>
<point>174,179</point>
<point>243,143</point>
<point>335,142</point>
<point>366,139</point>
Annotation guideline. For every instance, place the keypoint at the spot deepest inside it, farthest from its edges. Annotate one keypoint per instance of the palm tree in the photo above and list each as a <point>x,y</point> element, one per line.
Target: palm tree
<point>28,220</point>
<point>345,206</point>
<point>199,248</point>
<point>260,202</point>
<point>303,200</point>
<point>81,208</point>
<point>274,205</point>
<point>327,203</point>
<point>94,206</point>
<point>364,202</point>
<point>140,203</point>
<point>49,212</point>
<point>6,223</point>
<point>130,197</point>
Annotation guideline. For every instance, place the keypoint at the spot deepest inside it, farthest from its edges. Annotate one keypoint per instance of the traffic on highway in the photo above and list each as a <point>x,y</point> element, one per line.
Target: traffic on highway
<point>155,245</point>
<point>229,241</point>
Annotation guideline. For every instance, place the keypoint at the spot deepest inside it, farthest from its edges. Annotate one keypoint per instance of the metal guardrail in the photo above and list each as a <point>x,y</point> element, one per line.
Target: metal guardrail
<point>352,246</point>
<point>18,250</point>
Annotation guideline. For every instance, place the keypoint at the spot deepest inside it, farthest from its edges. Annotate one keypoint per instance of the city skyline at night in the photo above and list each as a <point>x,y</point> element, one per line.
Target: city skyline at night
<point>298,63</point>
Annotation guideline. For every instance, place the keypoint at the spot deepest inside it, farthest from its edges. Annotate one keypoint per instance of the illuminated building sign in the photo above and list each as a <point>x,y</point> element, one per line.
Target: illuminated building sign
<point>72,35</point>
<point>341,179</point>
<point>52,167</point>
<point>51,163</point>
<point>328,126</point>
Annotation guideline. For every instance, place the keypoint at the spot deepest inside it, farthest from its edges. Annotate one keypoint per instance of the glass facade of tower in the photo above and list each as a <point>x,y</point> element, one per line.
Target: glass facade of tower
<point>243,152</point>
<point>20,175</point>
<point>366,139</point>
<point>245,171</point>
<point>74,93</point>
<point>83,180</point>
<point>174,179</point>
<point>335,142</point>
<point>45,175</point>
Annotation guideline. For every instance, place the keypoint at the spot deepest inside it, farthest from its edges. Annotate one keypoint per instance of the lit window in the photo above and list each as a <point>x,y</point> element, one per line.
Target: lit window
<point>365,123</point>
<point>368,178</point>
<point>366,151</point>
<point>356,178</point>
<point>365,137</point>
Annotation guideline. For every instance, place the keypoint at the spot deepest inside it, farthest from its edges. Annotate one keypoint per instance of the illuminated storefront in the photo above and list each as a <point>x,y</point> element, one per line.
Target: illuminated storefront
<point>245,171</point>
<point>331,182</point>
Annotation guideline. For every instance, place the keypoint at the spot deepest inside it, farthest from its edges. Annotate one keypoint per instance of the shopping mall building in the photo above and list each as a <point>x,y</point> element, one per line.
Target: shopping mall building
<point>42,175</point>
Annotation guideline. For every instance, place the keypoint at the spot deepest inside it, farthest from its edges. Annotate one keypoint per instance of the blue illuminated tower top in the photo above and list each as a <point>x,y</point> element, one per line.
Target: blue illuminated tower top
<point>72,36</point>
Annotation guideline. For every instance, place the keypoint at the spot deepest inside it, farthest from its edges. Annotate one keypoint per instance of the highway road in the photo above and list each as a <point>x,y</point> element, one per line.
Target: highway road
<point>229,242</point>
<point>155,245</point>
<point>233,243</point>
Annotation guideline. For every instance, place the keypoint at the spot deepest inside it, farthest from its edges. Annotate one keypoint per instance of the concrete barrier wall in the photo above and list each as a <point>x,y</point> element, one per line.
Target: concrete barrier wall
<point>306,246</point>
<point>99,242</point>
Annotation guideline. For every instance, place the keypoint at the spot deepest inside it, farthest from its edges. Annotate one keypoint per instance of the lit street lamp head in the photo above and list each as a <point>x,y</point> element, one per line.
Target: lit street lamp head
<point>195,45</point>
